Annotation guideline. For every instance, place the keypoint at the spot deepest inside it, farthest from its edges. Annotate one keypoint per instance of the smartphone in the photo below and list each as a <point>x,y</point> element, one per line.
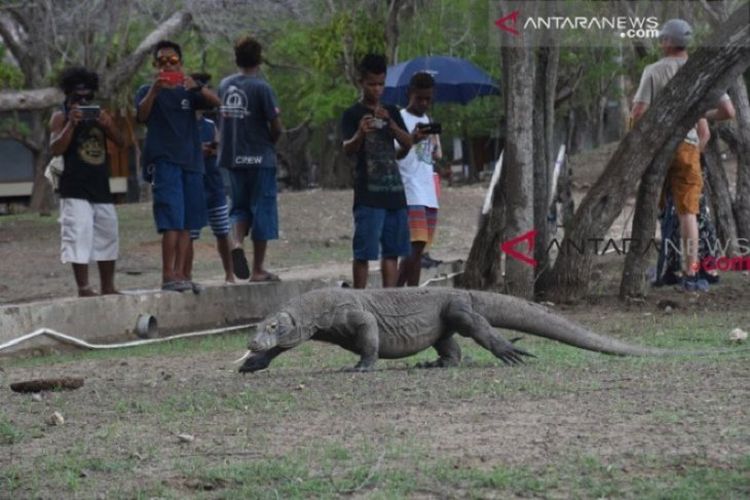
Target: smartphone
<point>172,77</point>
<point>90,113</point>
<point>430,128</point>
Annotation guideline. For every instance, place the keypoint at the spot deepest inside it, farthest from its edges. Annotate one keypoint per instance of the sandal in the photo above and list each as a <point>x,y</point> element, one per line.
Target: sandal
<point>239,264</point>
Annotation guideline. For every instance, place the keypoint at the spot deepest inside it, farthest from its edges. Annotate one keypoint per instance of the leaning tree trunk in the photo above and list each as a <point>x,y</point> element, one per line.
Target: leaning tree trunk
<point>701,80</point>
<point>738,94</point>
<point>513,209</point>
<point>721,198</point>
<point>544,122</point>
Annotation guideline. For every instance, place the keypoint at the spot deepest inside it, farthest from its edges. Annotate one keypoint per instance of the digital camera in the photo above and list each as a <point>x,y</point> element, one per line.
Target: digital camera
<point>90,112</point>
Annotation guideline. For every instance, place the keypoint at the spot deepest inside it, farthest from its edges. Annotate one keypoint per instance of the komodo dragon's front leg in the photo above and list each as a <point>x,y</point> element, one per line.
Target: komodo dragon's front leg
<point>462,319</point>
<point>364,339</point>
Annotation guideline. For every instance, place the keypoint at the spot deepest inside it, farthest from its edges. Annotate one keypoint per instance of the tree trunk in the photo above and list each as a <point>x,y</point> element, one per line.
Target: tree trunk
<point>721,198</point>
<point>738,94</point>
<point>335,170</point>
<point>544,122</point>
<point>41,192</point>
<point>294,156</point>
<point>512,211</point>
<point>391,30</point>
<point>633,282</point>
<point>711,68</point>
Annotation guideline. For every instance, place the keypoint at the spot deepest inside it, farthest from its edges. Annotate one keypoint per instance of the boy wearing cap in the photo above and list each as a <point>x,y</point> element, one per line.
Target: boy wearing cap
<point>684,175</point>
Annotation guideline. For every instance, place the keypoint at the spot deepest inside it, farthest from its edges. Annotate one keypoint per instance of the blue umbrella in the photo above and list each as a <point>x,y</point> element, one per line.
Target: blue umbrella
<point>457,80</point>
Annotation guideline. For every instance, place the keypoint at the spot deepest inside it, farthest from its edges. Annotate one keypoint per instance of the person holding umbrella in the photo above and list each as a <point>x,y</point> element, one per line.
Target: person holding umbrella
<point>380,217</point>
<point>416,167</point>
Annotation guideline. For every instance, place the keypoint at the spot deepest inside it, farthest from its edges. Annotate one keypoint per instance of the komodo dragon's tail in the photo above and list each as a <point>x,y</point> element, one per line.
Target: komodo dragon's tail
<point>503,311</point>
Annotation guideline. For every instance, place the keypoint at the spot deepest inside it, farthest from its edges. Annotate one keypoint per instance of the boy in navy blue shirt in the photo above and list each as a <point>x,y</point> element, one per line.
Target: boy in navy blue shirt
<point>369,128</point>
<point>250,128</point>
<point>172,153</point>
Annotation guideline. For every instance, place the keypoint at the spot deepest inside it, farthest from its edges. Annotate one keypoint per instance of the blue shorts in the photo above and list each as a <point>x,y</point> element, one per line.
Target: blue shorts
<point>376,228</point>
<point>254,201</point>
<point>179,200</point>
<point>213,182</point>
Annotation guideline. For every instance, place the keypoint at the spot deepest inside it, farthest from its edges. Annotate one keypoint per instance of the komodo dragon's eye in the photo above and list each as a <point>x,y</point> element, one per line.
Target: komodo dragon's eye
<point>273,326</point>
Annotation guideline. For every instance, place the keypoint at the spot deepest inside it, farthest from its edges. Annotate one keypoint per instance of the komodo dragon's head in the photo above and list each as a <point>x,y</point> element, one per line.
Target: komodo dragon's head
<point>274,335</point>
<point>276,330</point>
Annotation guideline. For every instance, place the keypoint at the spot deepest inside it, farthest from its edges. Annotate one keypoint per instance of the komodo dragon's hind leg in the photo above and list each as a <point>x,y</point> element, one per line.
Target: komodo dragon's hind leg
<point>449,353</point>
<point>470,324</point>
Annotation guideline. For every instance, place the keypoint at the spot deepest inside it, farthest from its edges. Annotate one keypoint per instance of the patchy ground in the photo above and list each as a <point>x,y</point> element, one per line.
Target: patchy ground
<point>567,424</point>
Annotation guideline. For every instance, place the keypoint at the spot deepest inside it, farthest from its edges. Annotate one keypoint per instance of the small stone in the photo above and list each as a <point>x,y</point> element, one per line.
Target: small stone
<point>737,335</point>
<point>300,387</point>
<point>548,303</point>
<point>186,438</point>
<point>36,397</point>
<point>668,309</point>
<point>55,419</point>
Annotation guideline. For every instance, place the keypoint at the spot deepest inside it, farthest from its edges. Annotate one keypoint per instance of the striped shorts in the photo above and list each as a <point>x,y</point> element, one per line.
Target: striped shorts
<point>422,222</point>
<point>218,219</point>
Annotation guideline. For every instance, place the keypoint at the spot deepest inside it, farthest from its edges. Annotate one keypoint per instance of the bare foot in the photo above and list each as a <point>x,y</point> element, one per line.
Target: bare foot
<point>264,276</point>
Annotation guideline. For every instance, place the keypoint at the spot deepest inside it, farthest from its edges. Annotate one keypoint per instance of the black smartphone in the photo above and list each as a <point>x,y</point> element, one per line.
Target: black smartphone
<point>430,128</point>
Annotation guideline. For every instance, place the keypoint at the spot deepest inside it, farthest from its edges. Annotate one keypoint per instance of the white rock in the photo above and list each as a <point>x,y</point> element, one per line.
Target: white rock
<point>36,397</point>
<point>186,438</point>
<point>738,335</point>
<point>55,419</point>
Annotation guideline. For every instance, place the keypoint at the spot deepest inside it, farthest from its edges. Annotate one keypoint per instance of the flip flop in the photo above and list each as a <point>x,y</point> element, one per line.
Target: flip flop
<point>197,287</point>
<point>266,277</point>
<point>239,264</point>
<point>177,286</point>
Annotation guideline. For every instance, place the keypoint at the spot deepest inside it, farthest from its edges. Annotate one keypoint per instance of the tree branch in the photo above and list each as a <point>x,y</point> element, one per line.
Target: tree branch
<point>122,72</point>
<point>27,100</point>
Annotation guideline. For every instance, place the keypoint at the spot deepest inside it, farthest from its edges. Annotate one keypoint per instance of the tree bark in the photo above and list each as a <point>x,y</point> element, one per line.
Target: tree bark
<point>512,212</point>
<point>633,282</point>
<point>691,92</point>
<point>28,100</point>
<point>738,94</point>
<point>544,122</point>
<point>41,191</point>
<point>721,198</point>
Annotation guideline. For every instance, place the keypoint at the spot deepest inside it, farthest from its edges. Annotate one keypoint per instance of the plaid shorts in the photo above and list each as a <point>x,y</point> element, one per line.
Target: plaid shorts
<point>422,222</point>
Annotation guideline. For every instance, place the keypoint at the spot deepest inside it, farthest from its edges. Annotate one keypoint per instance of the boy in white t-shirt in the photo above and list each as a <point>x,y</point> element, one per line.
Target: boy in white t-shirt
<point>416,168</point>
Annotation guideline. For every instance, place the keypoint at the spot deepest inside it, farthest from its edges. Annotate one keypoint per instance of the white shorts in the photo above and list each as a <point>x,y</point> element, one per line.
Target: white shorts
<point>88,231</point>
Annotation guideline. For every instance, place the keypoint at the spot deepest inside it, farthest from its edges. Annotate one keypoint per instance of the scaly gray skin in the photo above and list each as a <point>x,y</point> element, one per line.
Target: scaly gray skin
<point>399,322</point>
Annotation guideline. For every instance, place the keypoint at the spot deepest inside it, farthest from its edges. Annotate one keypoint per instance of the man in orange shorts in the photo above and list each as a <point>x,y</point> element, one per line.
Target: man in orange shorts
<point>684,178</point>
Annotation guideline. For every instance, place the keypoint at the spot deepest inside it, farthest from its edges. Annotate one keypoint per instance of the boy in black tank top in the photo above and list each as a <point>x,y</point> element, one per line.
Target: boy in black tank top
<point>88,221</point>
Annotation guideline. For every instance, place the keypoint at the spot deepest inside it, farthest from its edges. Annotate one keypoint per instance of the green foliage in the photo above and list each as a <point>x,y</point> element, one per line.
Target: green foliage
<point>10,76</point>
<point>308,64</point>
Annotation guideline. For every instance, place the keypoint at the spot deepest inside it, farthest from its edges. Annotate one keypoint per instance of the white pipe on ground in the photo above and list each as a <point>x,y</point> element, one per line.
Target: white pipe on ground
<point>68,339</point>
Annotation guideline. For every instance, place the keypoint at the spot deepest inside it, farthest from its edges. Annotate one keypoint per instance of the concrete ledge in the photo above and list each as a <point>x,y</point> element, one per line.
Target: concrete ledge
<point>113,318</point>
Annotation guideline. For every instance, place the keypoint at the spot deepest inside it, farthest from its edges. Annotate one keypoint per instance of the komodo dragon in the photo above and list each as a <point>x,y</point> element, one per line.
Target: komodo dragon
<point>399,322</point>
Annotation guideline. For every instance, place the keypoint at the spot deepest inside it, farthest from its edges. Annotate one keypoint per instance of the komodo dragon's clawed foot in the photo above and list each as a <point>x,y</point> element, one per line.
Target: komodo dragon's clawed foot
<point>361,367</point>
<point>512,355</point>
<point>438,363</point>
